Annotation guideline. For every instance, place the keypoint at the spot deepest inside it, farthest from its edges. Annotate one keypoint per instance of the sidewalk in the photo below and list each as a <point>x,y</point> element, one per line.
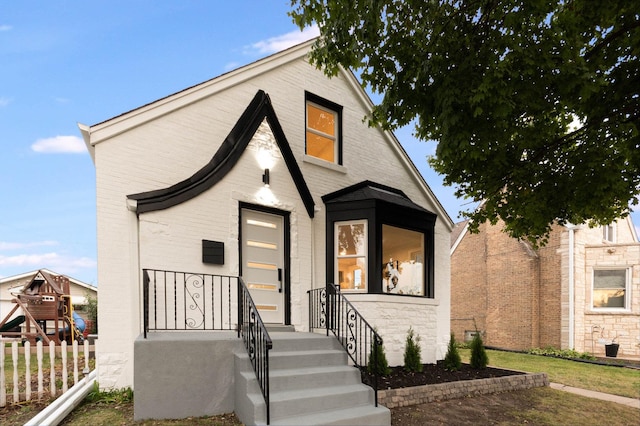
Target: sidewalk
<point>630,402</point>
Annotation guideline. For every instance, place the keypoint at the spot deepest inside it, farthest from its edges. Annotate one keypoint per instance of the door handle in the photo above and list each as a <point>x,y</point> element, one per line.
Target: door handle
<point>280,280</point>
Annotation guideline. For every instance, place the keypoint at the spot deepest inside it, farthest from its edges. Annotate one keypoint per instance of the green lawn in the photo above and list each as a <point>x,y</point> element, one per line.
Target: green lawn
<point>614,380</point>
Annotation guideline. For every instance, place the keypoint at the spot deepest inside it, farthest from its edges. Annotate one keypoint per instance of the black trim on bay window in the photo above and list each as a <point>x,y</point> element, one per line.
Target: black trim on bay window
<point>337,108</point>
<point>379,205</point>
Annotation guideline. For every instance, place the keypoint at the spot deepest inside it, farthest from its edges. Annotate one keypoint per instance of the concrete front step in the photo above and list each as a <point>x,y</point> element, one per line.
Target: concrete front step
<point>284,341</point>
<point>302,359</point>
<point>362,415</point>
<point>310,383</point>
<point>314,400</point>
<point>299,378</point>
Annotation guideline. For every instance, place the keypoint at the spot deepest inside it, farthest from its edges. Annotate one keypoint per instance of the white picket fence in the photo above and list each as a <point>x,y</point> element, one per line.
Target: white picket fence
<point>24,375</point>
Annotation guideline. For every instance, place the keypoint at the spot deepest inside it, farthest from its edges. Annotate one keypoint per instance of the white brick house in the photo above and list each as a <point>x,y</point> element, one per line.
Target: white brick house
<point>188,172</point>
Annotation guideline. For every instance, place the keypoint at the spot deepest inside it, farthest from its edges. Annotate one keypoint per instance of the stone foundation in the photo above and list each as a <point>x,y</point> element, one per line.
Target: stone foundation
<point>392,398</point>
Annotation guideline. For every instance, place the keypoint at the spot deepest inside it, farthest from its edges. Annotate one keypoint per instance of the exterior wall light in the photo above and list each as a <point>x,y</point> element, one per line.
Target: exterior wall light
<point>265,178</point>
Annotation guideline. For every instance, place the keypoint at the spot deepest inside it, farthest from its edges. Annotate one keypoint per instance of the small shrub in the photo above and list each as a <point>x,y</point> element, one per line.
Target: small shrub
<point>378,361</point>
<point>561,353</point>
<point>412,356</point>
<point>115,396</point>
<point>452,360</point>
<point>479,358</point>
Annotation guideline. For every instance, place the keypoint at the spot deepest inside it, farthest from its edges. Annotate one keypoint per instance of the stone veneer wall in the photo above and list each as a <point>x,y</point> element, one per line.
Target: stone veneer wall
<point>392,398</point>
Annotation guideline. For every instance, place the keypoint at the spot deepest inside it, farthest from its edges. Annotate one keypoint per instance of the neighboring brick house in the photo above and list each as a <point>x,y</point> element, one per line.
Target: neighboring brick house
<point>579,291</point>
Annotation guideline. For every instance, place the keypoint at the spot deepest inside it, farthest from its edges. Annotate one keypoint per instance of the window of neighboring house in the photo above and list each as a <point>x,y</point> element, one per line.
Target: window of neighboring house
<point>323,129</point>
<point>609,233</point>
<point>351,255</point>
<point>403,254</point>
<point>610,288</point>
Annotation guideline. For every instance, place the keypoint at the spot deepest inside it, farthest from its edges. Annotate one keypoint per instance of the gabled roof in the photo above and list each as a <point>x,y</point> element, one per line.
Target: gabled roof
<point>368,190</point>
<point>31,274</point>
<point>107,129</point>
<point>457,234</point>
<point>225,158</point>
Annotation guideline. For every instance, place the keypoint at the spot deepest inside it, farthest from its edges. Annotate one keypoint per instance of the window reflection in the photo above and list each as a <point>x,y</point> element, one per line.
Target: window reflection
<point>403,255</point>
<point>351,240</point>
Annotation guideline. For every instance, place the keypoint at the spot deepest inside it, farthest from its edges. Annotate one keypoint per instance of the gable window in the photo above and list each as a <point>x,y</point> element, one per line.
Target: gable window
<point>610,288</point>
<point>323,129</point>
<point>351,255</point>
<point>609,233</point>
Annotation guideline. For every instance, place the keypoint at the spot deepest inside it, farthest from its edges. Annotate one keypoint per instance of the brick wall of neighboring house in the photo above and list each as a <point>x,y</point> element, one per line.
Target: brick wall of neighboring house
<point>512,305</point>
<point>503,298</point>
<point>553,295</point>
<point>468,285</point>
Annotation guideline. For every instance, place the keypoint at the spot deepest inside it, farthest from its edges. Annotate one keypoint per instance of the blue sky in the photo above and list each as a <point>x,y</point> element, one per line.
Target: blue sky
<point>69,62</point>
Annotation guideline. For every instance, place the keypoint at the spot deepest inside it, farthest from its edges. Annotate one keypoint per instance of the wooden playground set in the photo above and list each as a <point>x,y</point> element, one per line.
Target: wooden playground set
<point>47,312</point>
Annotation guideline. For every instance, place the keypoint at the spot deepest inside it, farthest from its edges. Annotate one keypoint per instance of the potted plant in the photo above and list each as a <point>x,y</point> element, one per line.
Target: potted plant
<point>611,348</point>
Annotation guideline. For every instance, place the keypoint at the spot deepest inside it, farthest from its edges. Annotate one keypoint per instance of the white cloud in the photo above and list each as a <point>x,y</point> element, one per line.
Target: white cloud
<point>4,245</point>
<point>4,101</point>
<point>53,261</point>
<point>5,27</point>
<point>60,144</point>
<point>232,66</point>
<point>282,42</point>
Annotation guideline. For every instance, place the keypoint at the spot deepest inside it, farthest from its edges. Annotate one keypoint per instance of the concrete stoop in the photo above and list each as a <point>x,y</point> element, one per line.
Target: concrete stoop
<point>311,383</point>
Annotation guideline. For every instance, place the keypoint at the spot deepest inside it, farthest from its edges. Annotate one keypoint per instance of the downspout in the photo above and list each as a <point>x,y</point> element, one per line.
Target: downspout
<point>571,285</point>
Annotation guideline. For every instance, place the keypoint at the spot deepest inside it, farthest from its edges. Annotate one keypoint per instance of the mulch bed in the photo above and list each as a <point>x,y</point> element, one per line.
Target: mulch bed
<point>433,374</point>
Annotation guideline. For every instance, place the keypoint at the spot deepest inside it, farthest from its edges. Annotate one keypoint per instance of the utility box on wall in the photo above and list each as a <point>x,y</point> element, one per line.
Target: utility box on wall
<point>213,252</point>
<point>469,335</point>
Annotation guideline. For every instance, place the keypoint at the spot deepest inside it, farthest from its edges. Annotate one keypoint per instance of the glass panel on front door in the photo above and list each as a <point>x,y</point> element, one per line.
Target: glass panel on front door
<point>263,262</point>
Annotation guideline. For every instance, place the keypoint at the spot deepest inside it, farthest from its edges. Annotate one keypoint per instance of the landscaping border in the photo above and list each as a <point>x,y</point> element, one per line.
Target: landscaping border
<point>404,397</point>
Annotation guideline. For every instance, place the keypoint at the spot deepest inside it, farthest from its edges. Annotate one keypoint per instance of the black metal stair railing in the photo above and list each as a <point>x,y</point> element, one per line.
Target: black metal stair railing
<point>330,310</point>
<point>256,339</point>
<point>187,301</point>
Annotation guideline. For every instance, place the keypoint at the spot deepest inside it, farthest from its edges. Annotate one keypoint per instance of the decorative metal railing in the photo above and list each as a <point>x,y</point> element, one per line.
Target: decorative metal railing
<point>256,339</point>
<point>330,310</point>
<point>187,301</point>
<point>192,301</point>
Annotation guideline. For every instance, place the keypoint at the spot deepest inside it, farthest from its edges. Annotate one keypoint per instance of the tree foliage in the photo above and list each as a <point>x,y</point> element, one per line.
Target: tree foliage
<point>535,104</point>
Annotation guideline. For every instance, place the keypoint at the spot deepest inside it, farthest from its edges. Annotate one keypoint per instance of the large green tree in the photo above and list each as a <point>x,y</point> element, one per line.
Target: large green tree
<point>535,104</point>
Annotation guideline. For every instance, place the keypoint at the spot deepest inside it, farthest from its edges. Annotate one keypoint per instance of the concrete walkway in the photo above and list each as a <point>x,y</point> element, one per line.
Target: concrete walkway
<point>630,402</point>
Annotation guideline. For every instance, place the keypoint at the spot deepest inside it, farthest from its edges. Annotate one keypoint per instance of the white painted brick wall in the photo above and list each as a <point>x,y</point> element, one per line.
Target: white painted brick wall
<point>159,153</point>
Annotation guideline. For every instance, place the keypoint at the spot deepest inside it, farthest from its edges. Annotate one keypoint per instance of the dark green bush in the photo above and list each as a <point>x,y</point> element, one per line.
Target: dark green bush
<point>378,361</point>
<point>479,358</point>
<point>412,356</point>
<point>452,361</point>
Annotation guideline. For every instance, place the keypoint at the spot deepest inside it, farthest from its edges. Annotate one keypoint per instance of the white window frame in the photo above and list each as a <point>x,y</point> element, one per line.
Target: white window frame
<point>337,256</point>
<point>627,289</point>
<point>609,232</point>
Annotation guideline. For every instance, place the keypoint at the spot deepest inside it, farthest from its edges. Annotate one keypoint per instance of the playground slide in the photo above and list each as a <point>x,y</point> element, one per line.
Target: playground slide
<point>14,323</point>
<point>79,322</point>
